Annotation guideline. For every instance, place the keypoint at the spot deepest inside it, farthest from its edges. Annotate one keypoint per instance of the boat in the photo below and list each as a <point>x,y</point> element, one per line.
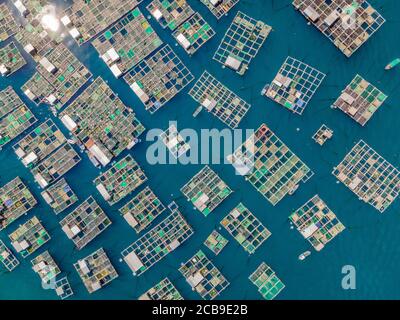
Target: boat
<point>293,190</point>
<point>264,90</point>
<point>304,255</point>
<point>197,111</point>
<point>393,64</point>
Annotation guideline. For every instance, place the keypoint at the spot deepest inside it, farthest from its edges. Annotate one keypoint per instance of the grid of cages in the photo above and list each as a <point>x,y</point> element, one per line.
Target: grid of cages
<point>322,135</point>
<point>85,19</point>
<point>241,42</point>
<point>164,290</point>
<point>29,237</point>
<point>15,116</point>
<point>45,266</point>
<point>175,143</point>
<point>15,201</point>
<point>63,288</point>
<point>316,222</point>
<point>247,230</point>
<point>203,276</point>
<point>7,258</point>
<point>157,243</point>
<point>269,165</point>
<point>216,98</point>
<point>11,59</point>
<point>372,178</point>
<point>158,78</point>
<point>85,223</point>
<point>216,242</point>
<point>219,8</point>
<point>360,100</point>
<point>59,196</point>
<point>96,270</point>
<point>101,123</point>
<point>266,281</point>
<point>206,190</point>
<point>120,180</point>
<point>193,33</point>
<point>142,210</point>
<point>127,42</point>
<point>348,24</point>
<point>8,26</point>
<point>294,85</point>
<point>170,13</point>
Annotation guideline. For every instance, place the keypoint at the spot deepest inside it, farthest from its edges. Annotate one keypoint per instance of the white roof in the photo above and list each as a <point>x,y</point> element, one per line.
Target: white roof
<point>103,191</point>
<point>66,21</point>
<point>31,157</point>
<point>39,179</point>
<point>233,63</point>
<point>68,122</point>
<point>3,69</point>
<point>99,155</point>
<point>131,220</point>
<point>74,33</point>
<point>139,92</point>
<point>307,232</point>
<point>133,261</point>
<point>183,41</point>
<point>51,98</point>
<point>157,14</point>
<point>29,94</point>
<point>29,48</point>
<point>75,230</point>
<point>21,8</point>
<point>47,64</point>
<point>116,71</point>
<point>195,279</point>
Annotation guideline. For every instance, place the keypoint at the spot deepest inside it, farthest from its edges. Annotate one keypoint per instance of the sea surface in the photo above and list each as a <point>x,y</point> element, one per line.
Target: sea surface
<point>371,240</point>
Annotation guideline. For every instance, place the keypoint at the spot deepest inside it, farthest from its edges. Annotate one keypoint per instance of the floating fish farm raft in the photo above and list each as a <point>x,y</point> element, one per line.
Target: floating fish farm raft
<point>269,165</point>
<point>11,59</point>
<point>8,26</point>
<point>158,242</point>
<point>360,100</point>
<point>294,85</point>
<point>170,13</point>
<point>85,19</point>
<point>373,179</point>
<point>323,135</point>
<point>206,190</point>
<point>266,281</point>
<point>15,201</point>
<point>85,223</point>
<point>101,123</point>
<point>175,143</point>
<point>59,196</point>
<point>164,290</point>
<point>15,116</point>
<point>63,288</point>
<point>7,258</point>
<point>45,266</point>
<point>193,33</point>
<point>127,42</point>
<point>219,8</point>
<point>316,222</point>
<point>216,242</point>
<point>247,230</point>
<point>142,209</point>
<point>158,78</point>
<point>219,100</point>
<point>29,237</point>
<point>241,43</point>
<point>96,270</point>
<point>201,274</point>
<point>120,180</point>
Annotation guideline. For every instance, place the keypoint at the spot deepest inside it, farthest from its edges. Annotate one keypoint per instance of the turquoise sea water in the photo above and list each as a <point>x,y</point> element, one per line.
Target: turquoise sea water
<point>371,239</point>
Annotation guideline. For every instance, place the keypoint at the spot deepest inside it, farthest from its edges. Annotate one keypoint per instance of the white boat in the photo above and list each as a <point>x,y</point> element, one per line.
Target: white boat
<point>264,90</point>
<point>293,190</point>
<point>304,255</point>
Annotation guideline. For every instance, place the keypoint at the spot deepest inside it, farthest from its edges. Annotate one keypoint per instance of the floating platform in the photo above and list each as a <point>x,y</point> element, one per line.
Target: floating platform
<point>59,196</point>
<point>216,242</point>
<point>360,100</point>
<point>241,43</point>
<point>316,222</point>
<point>7,258</point>
<point>175,143</point>
<point>206,190</point>
<point>203,276</point>
<point>29,237</point>
<point>157,243</point>
<point>101,123</point>
<point>170,13</point>
<point>348,24</point>
<point>373,179</point>
<point>142,210</point>
<point>193,33</point>
<point>85,223</point>
<point>219,8</point>
<point>8,26</point>
<point>294,85</point>
<point>322,135</point>
<point>216,98</point>
<point>96,270</point>
<point>247,230</point>
<point>45,266</point>
<point>266,281</point>
<point>127,42</point>
<point>269,165</point>
<point>15,201</point>
<point>11,59</point>
<point>158,78</point>
<point>120,180</point>
<point>162,291</point>
<point>63,288</point>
